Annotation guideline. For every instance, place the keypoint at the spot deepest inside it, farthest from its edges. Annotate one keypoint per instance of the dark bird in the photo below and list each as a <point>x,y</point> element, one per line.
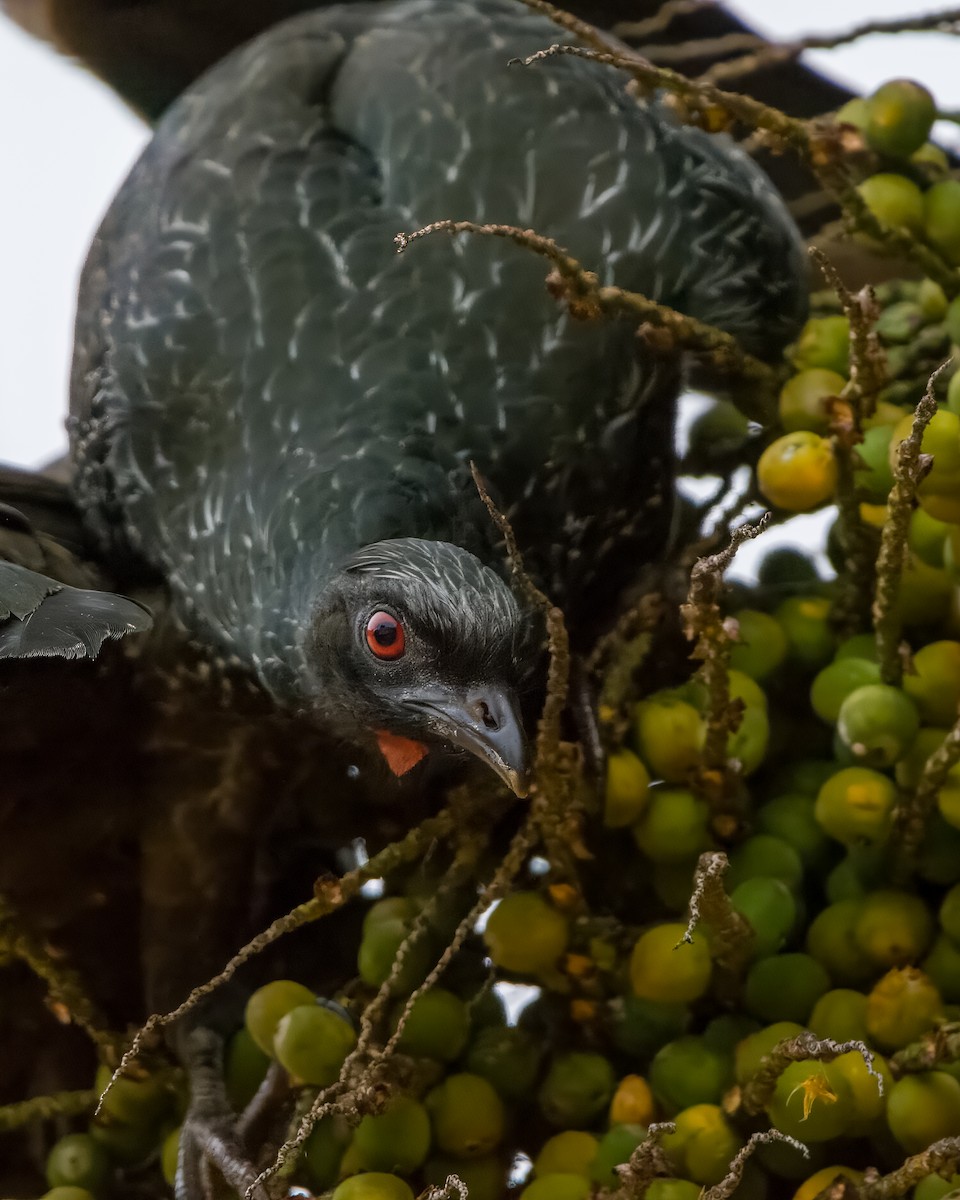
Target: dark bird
<point>279,412</point>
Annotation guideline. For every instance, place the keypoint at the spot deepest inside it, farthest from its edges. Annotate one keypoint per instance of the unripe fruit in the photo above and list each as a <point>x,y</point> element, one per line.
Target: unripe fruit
<point>877,723</point>
<point>941,219</point>
<point>856,805</point>
<point>824,343</point>
<point>577,1089</point>
<point>662,970</point>
<point>803,399</point>
<point>798,472</point>
<point>467,1115</point>
<point>268,1004</point>
<point>373,1185</point>
<point>924,1108</point>
<point>899,115</point>
<point>626,792</point>
<point>894,201</point>
<point>526,934</point>
<point>312,1042</point>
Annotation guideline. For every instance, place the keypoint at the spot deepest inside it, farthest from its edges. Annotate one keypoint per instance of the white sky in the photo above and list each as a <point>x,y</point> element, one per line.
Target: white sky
<point>66,143</point>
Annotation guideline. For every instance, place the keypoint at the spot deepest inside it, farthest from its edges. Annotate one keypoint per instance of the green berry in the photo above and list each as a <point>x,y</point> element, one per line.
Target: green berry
<point>506,1056</point>
<point>269,1004</point>
<point>824,343</point>
<point>899,116</point>
<point>761,644</point>
<point>557,1187</point>
<point>878,723</point>
<point>923,1108</point>
<point>804,620</point>
<point>577,1089</point>
<point>901,1007</point>
<point>626,791</point>
<point>791,819</point>
<point>568,1153</point>
<point>804,1103</point>
<point>667,969</point>
<point>893,928</point>
<point>467,1116</point>
<point>804,399</point>
<point>934,684</point>
<point>687,1071</point>
<point>764,854</point>
<point>840,1014</point>
<point>856,805</point>
<point>615,1148</point>
<point>78,1160</point>
<point>323,1151</point>
<point>525,934</point>
<point>373,1185</point>
<point>755,1047</point>
<point>770,909</point>
<point>312,1043</point>
<point>395,1140</point>
<point>640,1026</point>
<point>485,1178</point>
<point>170,1155</point>
<point>785,987</point>
<point>437,1026</point>
<point>674,827</point>
<point>941,219</point>
<point>926,539</point>
<point>832,941</point>
<point>244,1068</point>
<point>703,1144</point>
<point>873,474</point>
<point>894,200</point>
<point>669,736</point>
<point>942,966</point>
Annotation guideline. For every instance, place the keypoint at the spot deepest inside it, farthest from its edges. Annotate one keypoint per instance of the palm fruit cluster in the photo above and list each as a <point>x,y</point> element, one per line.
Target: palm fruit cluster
<point>768,944</point>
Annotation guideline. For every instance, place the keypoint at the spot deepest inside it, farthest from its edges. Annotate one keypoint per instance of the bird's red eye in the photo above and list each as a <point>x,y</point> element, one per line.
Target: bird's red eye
<point>385,635</point>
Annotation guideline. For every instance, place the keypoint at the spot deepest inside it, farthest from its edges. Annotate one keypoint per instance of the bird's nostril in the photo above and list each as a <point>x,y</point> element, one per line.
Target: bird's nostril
<point>482,710</point>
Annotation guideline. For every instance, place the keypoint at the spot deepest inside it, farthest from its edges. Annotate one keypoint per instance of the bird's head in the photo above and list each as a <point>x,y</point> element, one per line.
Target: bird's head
<point>419,643</point>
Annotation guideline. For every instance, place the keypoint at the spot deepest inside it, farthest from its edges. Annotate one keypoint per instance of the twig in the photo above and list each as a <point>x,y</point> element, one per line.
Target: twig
<point>646,1163</point>
<point>586,299</point>
<point>713,641</point>
<point>729,1183</point>
<point>44,1108</point>
<point>665,15</point>
<point>766,54</point>
<point>67,997</point>
<point>820,143</point>
<point>757,1092</point>
<point>732,937</point>
<point>910,469</point>
<point>942,1158</point>
<point>331,895</point>
<point>911,815</point>
<point>939,1046</point>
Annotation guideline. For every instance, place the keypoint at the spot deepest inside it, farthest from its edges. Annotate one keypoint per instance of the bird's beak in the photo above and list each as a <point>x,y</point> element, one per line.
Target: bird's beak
<point>485,721</point>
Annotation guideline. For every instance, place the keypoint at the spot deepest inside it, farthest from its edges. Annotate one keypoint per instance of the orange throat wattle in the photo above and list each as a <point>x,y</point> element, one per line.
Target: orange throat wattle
<point>402,753</point>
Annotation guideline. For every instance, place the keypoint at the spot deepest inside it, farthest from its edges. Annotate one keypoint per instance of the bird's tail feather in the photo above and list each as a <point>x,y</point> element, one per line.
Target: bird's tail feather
<point>42,618</point>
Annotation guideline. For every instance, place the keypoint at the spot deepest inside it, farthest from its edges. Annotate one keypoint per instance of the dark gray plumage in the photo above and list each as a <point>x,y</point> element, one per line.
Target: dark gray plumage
<point>266,397</point>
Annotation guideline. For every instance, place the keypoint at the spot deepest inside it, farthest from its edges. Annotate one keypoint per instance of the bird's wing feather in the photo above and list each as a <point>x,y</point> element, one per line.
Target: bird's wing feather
<point>41,618</point>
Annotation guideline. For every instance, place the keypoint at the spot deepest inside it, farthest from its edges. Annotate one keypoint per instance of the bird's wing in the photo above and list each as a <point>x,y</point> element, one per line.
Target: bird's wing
<point>40,615</point>
<point>41,618</point>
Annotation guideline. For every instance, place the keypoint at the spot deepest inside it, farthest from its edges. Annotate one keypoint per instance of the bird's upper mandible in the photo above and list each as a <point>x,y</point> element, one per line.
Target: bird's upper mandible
<point>262,387</point>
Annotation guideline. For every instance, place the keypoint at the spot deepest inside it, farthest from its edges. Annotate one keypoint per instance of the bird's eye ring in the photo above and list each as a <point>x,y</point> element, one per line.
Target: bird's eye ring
<point>385,636</point>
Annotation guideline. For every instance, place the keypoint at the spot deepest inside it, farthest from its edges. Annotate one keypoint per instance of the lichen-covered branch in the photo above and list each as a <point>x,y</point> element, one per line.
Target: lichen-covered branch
<point>729,1183</point>
<point>731,936</point>
<point>45,1108</point>
<point>713,639</point>
<point>67,996</point>
<point>942,1158</point>
<point>647,1163</point>
<point>758,1092</point>
<point>910,469</point>
<point>586,299</point>
<point>912,814</point>
<point>330,894</point>
<point>939,1046</point>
